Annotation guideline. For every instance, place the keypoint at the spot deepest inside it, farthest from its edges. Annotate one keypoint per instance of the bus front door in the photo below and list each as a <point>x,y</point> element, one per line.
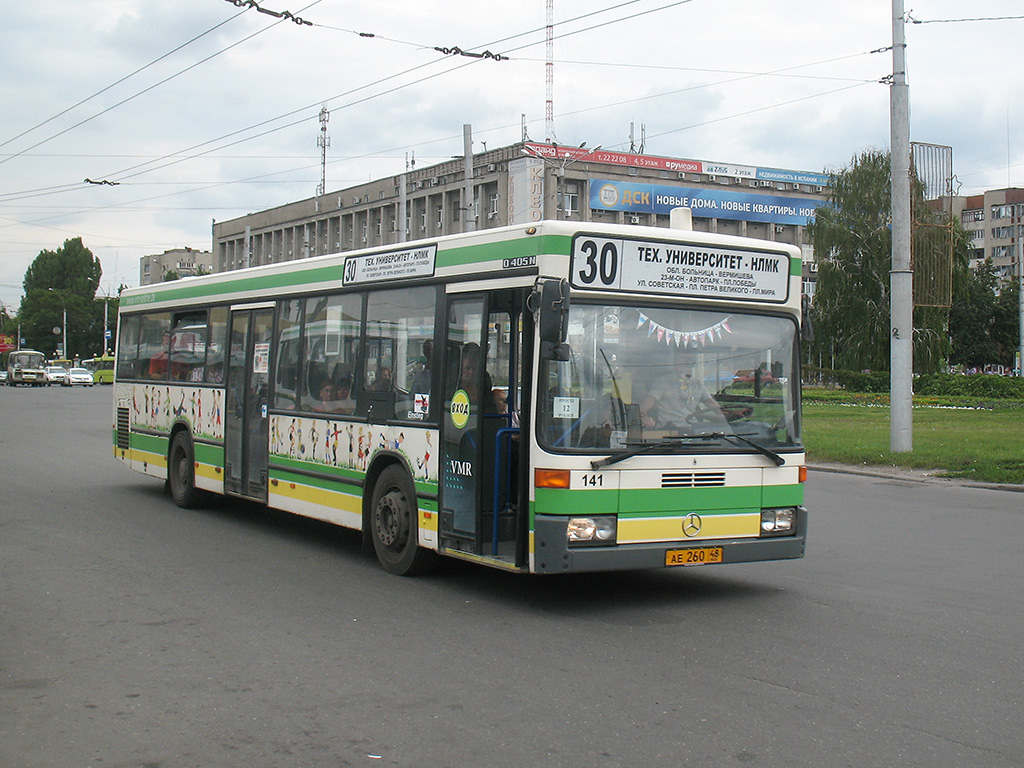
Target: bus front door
<point>245,425</point>
<point>477,475</point>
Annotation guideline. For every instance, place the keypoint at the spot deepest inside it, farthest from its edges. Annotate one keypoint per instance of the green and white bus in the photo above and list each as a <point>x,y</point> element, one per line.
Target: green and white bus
<point>497,396</point>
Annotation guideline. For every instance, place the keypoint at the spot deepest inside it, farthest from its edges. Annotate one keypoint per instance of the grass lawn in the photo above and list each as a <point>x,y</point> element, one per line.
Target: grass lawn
<point>984,444</point>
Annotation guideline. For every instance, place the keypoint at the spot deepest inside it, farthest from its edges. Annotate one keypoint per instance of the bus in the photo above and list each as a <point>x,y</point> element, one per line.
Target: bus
<point>26,366</point>
<point>491,396</point>
<point>101,368</point>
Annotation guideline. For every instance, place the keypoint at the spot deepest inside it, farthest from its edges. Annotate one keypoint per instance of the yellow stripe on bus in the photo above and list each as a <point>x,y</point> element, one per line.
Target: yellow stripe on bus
<point>712,526</point>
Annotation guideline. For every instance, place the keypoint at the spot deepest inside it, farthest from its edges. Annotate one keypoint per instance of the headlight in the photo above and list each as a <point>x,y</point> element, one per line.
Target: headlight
<point>779,521</point>
<point>593,531</point>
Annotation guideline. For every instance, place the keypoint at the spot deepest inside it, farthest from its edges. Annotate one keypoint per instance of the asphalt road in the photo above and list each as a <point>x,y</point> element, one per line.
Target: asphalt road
<point>134,634</point>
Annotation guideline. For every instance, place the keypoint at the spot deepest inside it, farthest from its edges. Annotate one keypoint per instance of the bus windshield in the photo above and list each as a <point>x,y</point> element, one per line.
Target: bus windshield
<point>672,380</point>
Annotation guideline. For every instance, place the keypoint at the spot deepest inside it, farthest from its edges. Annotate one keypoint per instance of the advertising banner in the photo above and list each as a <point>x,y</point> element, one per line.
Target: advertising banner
<point>706,203</point>
<point>525,190</point>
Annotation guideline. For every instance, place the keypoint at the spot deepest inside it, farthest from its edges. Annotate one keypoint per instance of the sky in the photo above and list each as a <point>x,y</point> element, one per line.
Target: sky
<point>136,125</point>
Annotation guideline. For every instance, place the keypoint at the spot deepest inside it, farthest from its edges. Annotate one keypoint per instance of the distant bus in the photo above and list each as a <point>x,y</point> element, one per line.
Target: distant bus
<point>101,368</point>
<point>26,366</point>
<point>503,397</point>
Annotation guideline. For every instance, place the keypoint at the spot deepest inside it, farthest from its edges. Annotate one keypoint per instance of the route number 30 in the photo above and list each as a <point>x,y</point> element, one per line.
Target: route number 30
<point>597,261</point>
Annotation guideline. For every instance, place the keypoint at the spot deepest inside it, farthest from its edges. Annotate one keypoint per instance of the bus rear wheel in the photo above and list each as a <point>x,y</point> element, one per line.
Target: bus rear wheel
<point>394,524</point>
<point>181,473</point>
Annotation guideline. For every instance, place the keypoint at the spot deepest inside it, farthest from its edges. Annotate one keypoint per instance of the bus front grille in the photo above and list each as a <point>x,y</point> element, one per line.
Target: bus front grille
<point>122,428</point>
<point>693,480</point>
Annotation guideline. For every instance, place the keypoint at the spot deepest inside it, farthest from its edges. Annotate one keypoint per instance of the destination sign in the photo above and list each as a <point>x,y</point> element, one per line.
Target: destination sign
<point>390,265</point>
<point>678,269</point>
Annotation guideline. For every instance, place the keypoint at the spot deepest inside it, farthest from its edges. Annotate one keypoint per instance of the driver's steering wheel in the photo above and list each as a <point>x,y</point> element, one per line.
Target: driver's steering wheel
<point>704,414</point>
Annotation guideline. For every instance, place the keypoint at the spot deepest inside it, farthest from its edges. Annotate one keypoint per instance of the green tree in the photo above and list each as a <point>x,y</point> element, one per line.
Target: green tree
<point>852,238</point>
<point>71,269</point>
<point>62,281</point>
<point>972,319</point>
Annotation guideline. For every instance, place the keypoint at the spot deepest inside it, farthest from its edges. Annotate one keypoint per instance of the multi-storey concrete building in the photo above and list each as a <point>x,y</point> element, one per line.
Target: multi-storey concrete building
<point>529,182</point>
<point>995,222</point>
<point>182,262</point>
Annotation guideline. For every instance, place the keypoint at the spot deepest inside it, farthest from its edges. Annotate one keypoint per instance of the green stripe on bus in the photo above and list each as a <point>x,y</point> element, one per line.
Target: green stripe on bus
<point>209,454</point>
<point>783,495</point>
<point>653,502</point>
<point>248,284</point>
<point>151,443</point>
<point>512,249</point>
<point>356,491</point>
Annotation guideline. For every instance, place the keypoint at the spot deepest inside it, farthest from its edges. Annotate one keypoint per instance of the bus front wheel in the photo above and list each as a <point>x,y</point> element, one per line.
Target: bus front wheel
<point>181,474</point>
<point>394,524</point>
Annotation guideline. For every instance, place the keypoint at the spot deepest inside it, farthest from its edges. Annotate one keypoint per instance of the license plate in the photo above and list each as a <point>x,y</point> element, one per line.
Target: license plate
<point>694,556</point>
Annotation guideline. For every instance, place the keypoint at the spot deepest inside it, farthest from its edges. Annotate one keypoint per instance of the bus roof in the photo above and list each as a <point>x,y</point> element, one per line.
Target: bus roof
<point>542,248</point>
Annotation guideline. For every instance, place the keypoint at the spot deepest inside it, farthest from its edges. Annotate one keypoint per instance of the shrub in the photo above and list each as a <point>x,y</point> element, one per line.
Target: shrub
<point>973,385</point>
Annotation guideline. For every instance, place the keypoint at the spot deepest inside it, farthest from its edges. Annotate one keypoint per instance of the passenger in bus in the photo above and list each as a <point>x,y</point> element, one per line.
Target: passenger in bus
<point>678,398</point>
<point>501,406</point>
<point>215,374</point>
<point>344,402</point>
<point>334,398</point>
<point>421,382</point>
<point>383,382</point>
<point>469,377</point>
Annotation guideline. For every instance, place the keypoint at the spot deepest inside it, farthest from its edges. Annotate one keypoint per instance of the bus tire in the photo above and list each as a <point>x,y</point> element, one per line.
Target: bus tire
<point>181,473</point>
<point>394,524</point>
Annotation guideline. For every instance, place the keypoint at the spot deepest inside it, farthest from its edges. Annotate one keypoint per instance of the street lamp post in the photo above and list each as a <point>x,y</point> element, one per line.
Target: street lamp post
<point>64,318</point>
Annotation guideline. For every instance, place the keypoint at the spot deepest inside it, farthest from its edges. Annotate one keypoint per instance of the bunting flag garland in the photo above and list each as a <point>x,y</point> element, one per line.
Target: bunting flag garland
<point>701,337</point>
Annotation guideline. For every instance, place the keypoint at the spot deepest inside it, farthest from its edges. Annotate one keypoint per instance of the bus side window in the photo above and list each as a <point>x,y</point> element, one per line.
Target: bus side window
<point>399,348</point>
<point>289,351</point>
<point>330,344</point>
<point>128,348</point>
<point>154,345</point>
<point>215,345</point>
<point>188,347</point>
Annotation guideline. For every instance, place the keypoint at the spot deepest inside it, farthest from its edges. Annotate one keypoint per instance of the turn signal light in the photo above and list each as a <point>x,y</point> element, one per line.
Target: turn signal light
<point>551,478</point>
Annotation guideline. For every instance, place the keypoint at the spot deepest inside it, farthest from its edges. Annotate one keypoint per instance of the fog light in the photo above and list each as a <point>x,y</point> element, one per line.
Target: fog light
<point>582,531</point>
<point>778,522</point>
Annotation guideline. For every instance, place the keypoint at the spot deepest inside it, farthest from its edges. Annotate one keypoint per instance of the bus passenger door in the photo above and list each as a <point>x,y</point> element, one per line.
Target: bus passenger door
<point>245,424</point>
<point>461,447</point>
<point>478,464</point>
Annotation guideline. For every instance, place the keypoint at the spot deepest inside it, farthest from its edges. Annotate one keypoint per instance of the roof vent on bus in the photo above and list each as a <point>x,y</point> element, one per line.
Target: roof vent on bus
<point>681,218</point>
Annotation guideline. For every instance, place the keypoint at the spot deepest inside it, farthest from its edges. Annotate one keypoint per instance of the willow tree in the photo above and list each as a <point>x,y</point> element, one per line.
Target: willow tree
<point>852,238</point>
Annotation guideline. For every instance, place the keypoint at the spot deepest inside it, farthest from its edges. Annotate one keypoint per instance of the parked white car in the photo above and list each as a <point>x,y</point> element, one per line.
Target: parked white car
<point>55,374</point>
<point>80,377</point>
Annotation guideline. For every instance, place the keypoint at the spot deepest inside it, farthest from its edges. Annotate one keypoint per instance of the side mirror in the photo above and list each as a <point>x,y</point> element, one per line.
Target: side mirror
<point>553,296</point>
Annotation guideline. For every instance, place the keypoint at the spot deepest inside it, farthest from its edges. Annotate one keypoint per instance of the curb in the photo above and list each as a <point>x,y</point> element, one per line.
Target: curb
<point>911,475</point>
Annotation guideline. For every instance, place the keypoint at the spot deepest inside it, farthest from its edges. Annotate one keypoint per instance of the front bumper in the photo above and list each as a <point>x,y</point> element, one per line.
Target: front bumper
<point>552,553</point>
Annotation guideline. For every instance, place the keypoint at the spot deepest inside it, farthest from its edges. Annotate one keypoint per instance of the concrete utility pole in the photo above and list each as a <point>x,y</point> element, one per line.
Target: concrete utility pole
<point>901,277</point>
<point>1020,306</point>
<point>468,219</point>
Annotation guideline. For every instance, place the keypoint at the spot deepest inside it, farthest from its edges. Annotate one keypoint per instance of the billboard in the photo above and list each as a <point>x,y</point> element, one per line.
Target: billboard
<point>607,195</point>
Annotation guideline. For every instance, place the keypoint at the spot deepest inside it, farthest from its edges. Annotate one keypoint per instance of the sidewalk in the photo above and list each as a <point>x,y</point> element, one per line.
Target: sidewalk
<point>909,475</point>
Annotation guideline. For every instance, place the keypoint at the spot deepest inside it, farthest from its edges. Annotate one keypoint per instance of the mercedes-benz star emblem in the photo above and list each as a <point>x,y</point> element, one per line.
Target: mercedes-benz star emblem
<point>691,524</point>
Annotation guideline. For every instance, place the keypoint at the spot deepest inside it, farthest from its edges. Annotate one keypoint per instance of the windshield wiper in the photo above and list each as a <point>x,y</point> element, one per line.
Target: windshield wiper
<point>677,442</point>
<point>636,450</point>
<point>779,461</point>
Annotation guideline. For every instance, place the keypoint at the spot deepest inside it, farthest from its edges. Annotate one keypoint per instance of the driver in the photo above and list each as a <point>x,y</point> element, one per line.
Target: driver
<point>677,397</point>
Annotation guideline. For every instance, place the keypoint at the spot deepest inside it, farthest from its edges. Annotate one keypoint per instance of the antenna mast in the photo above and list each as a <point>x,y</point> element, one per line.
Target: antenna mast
<point>549,73</point>
<point>323,141</point>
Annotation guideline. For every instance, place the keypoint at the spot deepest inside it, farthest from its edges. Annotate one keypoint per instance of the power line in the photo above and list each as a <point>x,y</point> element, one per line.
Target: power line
<point>114,84</point>
<point>912,20</point>
<point>150,88</point>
